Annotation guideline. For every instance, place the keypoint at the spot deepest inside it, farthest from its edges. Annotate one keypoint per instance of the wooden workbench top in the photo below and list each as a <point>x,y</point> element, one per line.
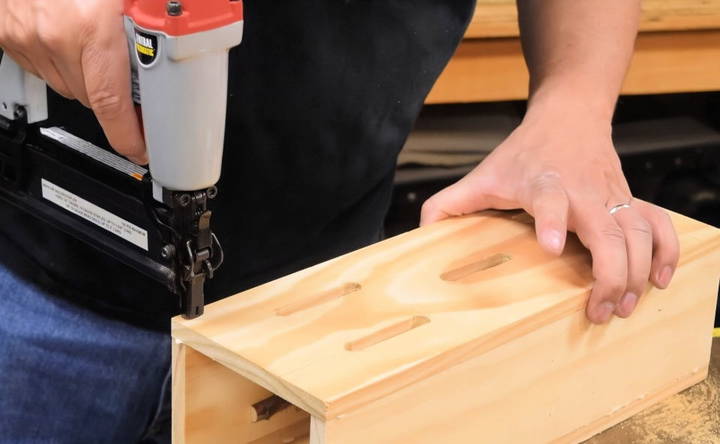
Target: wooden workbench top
<point>678,50</point>
<point>498,18</point>
<point>364,325</point>
<point>690,417</point>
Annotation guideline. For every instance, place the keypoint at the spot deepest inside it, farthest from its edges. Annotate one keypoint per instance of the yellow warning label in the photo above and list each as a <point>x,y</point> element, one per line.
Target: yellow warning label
<point>145,50</point>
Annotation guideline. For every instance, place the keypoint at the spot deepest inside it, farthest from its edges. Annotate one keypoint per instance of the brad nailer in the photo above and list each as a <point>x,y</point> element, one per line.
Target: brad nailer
<point>156,220</point>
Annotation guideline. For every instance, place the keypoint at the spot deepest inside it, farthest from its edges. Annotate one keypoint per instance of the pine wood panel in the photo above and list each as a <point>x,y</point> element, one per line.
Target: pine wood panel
<point>562,383</point>
<point>452,329</point>
<point>494,69</point>
<point>211,403</point>
<point>498,18</point>
<point>691,416</point>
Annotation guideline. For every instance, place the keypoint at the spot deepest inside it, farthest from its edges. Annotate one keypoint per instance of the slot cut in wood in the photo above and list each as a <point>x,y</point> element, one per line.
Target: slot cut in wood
<point>318,299</point>
<point>387,333</point>
<point>466,270</point>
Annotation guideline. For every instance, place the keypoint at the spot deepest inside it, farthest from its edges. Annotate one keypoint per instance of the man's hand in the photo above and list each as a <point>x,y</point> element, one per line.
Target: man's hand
<point>79,48</point>
<point>560,164</point>
<point>563,169</point>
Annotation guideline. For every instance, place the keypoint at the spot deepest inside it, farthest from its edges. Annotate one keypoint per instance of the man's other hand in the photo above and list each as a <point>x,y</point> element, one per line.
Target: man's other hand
<point>563,169</point>
<point>79,48</point>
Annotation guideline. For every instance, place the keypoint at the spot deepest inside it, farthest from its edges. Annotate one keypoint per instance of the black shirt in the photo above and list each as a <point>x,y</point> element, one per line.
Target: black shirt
<point>322,95</point>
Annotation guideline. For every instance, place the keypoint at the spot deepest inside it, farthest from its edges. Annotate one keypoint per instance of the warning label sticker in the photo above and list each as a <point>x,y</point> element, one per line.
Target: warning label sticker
<point>96,153</point>
<point>92,213</point>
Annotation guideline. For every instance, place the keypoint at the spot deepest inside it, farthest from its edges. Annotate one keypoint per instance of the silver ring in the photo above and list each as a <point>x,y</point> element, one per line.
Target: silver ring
<point>618,207</point>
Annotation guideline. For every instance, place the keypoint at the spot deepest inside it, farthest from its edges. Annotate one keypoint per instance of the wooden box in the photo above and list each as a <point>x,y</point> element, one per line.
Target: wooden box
<point>459,332</point>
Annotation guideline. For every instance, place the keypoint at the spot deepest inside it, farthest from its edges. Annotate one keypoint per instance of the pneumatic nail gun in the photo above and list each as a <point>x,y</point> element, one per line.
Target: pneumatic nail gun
<point>156,221</point>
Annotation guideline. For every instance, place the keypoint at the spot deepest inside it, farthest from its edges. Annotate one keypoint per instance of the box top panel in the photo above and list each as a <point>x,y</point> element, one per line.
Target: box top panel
<point>343,333</point>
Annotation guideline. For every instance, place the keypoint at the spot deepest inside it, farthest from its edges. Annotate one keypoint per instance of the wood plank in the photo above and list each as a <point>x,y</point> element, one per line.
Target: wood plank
<point>318,432</point>
<point>691,416</point>
<point>485,317</point>
<point>179,377</point>
<point>482,399</point>
<point>214,404</point>
<point>290,355</point>
<point>494,69</point>
<point>296,434</point>
<point>498,18</point>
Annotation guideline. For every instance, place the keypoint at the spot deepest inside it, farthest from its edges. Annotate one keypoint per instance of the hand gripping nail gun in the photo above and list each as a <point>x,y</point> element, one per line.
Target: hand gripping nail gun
<point>155,221</point>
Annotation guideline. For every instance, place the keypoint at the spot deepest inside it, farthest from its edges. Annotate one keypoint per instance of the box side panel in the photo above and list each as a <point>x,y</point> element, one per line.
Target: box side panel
<point>178,392</point>
<point>211,403</point>
<point>564,382</point>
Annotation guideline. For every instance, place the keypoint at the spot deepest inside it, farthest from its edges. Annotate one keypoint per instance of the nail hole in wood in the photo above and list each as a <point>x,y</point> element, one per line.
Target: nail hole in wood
<point>317,299</point>
<point>387,333</point>
<point>466,270</point>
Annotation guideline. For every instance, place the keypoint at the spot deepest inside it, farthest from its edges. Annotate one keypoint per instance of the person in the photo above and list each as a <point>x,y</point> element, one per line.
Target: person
<point>322,95</point>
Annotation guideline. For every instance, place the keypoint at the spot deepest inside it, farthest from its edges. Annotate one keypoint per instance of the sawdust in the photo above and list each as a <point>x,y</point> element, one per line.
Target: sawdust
<point>690,417</point>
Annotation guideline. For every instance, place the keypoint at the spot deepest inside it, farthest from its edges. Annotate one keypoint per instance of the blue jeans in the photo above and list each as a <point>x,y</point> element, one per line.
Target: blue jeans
<point>68,375</point>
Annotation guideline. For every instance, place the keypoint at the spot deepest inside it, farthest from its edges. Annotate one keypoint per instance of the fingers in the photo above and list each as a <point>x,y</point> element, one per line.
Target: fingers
<point>42,68</point>
<point>106,70</point>
<point>602,235</point>
<point>651,253</point>
<point>628,248</point>
<point>22,61</point>
<point>639,241</point>
<point>463,197</point>
<point>74,80</point>
<point>48,71</point>
<point>63,56</point>
<point>82,56</point>
<point>548,204</point>
<point>35,57</point>
<point>666,247</point>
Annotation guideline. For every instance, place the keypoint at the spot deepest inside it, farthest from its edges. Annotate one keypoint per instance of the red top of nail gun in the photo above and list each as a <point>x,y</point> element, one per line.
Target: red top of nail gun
<point>193,15</point>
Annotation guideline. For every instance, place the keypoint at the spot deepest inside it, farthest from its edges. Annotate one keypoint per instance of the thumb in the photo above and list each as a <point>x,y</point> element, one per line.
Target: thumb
<point>463,197</point>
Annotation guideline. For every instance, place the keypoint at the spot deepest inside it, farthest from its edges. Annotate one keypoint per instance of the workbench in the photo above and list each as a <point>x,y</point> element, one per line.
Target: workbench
<point>677,50</point>
<point>690,417</point>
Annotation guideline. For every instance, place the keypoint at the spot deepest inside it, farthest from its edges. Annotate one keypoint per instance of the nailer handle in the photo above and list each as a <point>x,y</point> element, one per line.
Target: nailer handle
<point>21,90</point>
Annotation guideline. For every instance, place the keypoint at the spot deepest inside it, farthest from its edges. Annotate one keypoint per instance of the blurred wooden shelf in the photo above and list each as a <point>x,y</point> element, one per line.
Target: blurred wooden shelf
<point>498,18</point>
<point>678,50</point>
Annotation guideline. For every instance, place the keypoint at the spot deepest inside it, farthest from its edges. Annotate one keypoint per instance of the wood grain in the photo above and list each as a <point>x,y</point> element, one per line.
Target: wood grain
<point>690,417</point>
<point>213,404</point>
<point>494,69</point>
<point>296,349</point>
<point>498,18</point>
<point>179,395</point>
<point>438,357</point>
<point>546,387</point>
